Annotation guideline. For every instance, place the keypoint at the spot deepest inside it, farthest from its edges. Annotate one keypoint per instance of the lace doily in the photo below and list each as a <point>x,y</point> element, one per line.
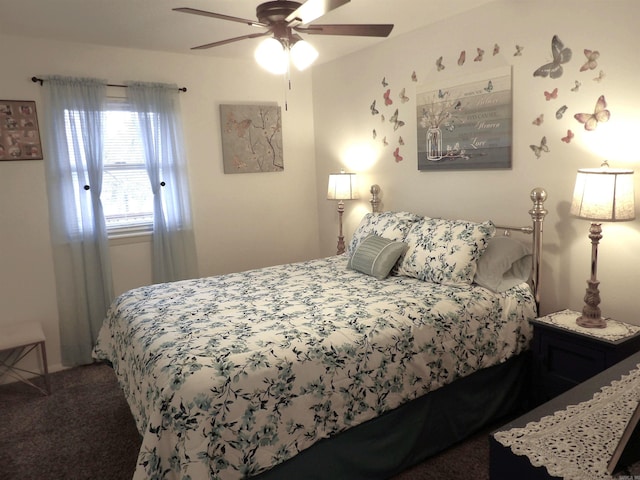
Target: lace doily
<point>615,330</point>
<point>577,443</point>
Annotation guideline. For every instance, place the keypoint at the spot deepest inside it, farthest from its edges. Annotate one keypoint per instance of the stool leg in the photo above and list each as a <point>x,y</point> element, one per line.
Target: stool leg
<point>43,352</point>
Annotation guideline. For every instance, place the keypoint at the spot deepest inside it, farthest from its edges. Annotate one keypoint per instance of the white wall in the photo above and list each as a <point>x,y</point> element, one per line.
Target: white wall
<point>241,221</point>
<point>345,88</point>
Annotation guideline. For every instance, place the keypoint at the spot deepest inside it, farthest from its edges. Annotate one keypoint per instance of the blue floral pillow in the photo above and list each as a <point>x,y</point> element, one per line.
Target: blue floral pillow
<point>390,225</point>
<point>445,251</point>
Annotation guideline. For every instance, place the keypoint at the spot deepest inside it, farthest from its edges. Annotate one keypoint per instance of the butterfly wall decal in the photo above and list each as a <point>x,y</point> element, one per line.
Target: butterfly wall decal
<point>462,57</point>
<point>600,115</point>
<point>480,55</point>
<point>414,77</point>
<point>374,134</point>
<point>538,149</point>
<point>592,60</point>
<point>374,110</point>
<point>403,96</point>
<point>385,84</point>
<point>400,140</point>
<point>577,86</point>
<point>552,95</point>
<point>397,156</point>
<point>396,123</point>
<point>539,120</point>
<point>439,64</point>
<point>385,142</point>
<point>568,138</point>
<point>560,112</point>
<point>600,77</point>
<point>496,49</point>
<point>387,97</point>
<point>518,52</point>
<point>561,55</point>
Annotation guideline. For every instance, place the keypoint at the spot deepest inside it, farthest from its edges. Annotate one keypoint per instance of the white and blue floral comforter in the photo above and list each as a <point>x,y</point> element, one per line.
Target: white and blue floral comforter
<point>228,376</point>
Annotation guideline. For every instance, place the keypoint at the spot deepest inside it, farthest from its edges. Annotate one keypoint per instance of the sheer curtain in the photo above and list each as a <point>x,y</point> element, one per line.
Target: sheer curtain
<point>78,232</point>
<point>173,244</point>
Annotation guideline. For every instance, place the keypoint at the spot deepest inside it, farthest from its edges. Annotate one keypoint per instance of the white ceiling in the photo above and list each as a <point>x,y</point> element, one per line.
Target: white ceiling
<point>152,25</point>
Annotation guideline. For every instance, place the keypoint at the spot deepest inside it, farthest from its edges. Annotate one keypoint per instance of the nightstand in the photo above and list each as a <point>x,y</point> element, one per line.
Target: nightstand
<point>566,354</point>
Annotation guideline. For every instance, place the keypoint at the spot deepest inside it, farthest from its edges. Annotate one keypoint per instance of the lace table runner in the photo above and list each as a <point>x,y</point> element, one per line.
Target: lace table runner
<point>577,443</point>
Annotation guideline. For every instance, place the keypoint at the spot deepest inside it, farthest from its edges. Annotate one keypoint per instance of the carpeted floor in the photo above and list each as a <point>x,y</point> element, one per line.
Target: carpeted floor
<point>84,430</point>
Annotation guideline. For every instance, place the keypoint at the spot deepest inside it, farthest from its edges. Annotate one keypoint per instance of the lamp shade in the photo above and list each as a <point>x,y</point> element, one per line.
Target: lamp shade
<point>604,194</point>
<point>342,186</point>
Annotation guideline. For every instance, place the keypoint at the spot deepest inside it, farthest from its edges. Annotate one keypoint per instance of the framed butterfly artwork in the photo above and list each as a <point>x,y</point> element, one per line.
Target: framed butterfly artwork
<point>251,138</point>
<point>465,126</point>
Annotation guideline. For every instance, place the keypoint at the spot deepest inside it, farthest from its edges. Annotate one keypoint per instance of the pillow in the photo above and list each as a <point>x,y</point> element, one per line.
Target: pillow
<point>505,263</point>
<point>376,256</point>
<point>445,251</point>
<point>390,225</point>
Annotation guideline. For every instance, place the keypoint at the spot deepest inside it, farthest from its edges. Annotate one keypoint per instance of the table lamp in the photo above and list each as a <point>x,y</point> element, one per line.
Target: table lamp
<point>342,186</point>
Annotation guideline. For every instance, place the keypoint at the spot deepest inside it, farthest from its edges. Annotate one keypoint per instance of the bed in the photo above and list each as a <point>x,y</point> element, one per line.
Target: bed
<point>352,366</point>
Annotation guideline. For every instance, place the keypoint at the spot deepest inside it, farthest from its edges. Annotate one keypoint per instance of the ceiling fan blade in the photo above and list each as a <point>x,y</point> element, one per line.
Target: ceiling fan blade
<point>360,30</point>
<point>311,10</point>
<point>204,13</point>
<point>230,40</point>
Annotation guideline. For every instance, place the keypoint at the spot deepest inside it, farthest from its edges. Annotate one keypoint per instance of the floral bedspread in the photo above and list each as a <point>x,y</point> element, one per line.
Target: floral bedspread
<point>228,376</point>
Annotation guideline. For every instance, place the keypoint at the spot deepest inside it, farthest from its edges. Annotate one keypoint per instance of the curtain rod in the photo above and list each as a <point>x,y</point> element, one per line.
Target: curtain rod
<point>41,81</point>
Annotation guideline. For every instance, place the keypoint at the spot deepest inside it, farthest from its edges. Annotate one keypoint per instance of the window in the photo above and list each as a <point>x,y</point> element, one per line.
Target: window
<point>127,199</point>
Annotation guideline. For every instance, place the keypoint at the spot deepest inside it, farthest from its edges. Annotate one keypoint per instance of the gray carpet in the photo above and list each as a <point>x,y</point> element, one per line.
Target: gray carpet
<point>84,430</point>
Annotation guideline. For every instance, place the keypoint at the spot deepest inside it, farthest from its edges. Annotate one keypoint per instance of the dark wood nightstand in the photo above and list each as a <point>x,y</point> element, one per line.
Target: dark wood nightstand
<point>566,354</point>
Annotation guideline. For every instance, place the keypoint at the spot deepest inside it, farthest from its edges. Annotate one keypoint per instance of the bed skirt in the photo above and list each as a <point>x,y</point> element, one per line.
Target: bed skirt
<point>406,436</point>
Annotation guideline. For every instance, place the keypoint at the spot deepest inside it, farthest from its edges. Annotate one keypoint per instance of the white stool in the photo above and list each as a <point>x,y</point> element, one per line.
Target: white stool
<point>18,340</point>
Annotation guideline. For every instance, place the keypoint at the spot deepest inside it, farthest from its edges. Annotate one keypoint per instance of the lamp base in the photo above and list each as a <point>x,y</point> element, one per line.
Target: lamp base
<point>588,322</point>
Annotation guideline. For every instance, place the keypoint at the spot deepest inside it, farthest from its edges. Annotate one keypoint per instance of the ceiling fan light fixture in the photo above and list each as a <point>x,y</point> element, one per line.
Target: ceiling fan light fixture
<point>271,55</point>
<point>303,54</point>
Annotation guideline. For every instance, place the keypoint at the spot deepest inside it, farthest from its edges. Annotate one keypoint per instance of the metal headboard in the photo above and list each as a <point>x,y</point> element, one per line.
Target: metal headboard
<point>538,212</point>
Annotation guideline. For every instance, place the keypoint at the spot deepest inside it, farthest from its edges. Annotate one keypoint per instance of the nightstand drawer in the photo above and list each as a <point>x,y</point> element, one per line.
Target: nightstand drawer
<point>565,363</point>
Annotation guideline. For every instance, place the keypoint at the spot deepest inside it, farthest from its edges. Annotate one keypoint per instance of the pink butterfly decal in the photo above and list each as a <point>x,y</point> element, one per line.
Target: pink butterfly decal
<point>599,115</point>
<point>462,57</point>
<point>397,156</point>
<point>386,96</point>
<point>538,121</point>
<point>480,55</point>
<point>569,136</point>
<point>551,95</point>
<point>592,57</point>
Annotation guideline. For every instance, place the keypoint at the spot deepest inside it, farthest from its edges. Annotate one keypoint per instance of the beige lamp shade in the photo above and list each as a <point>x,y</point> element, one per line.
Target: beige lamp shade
<point>342,186</point>
<point>604,194</point>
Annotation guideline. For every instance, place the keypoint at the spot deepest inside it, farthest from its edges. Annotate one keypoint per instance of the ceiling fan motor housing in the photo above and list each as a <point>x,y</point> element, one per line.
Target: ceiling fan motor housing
<point>275,12</point>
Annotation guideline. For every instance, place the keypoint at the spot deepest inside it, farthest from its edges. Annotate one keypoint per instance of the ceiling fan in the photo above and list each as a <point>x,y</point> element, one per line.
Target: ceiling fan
<point>284,19</point>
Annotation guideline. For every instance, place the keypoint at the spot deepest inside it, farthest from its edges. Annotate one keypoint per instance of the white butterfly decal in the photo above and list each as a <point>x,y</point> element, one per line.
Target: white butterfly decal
<point>541,148</point>
<point>599,115</point>
<point>403,96</point>
<point>560,55</point>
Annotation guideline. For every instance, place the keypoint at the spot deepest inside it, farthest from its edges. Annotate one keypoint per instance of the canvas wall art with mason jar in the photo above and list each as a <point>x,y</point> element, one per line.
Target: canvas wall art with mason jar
<point>465,124</point>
